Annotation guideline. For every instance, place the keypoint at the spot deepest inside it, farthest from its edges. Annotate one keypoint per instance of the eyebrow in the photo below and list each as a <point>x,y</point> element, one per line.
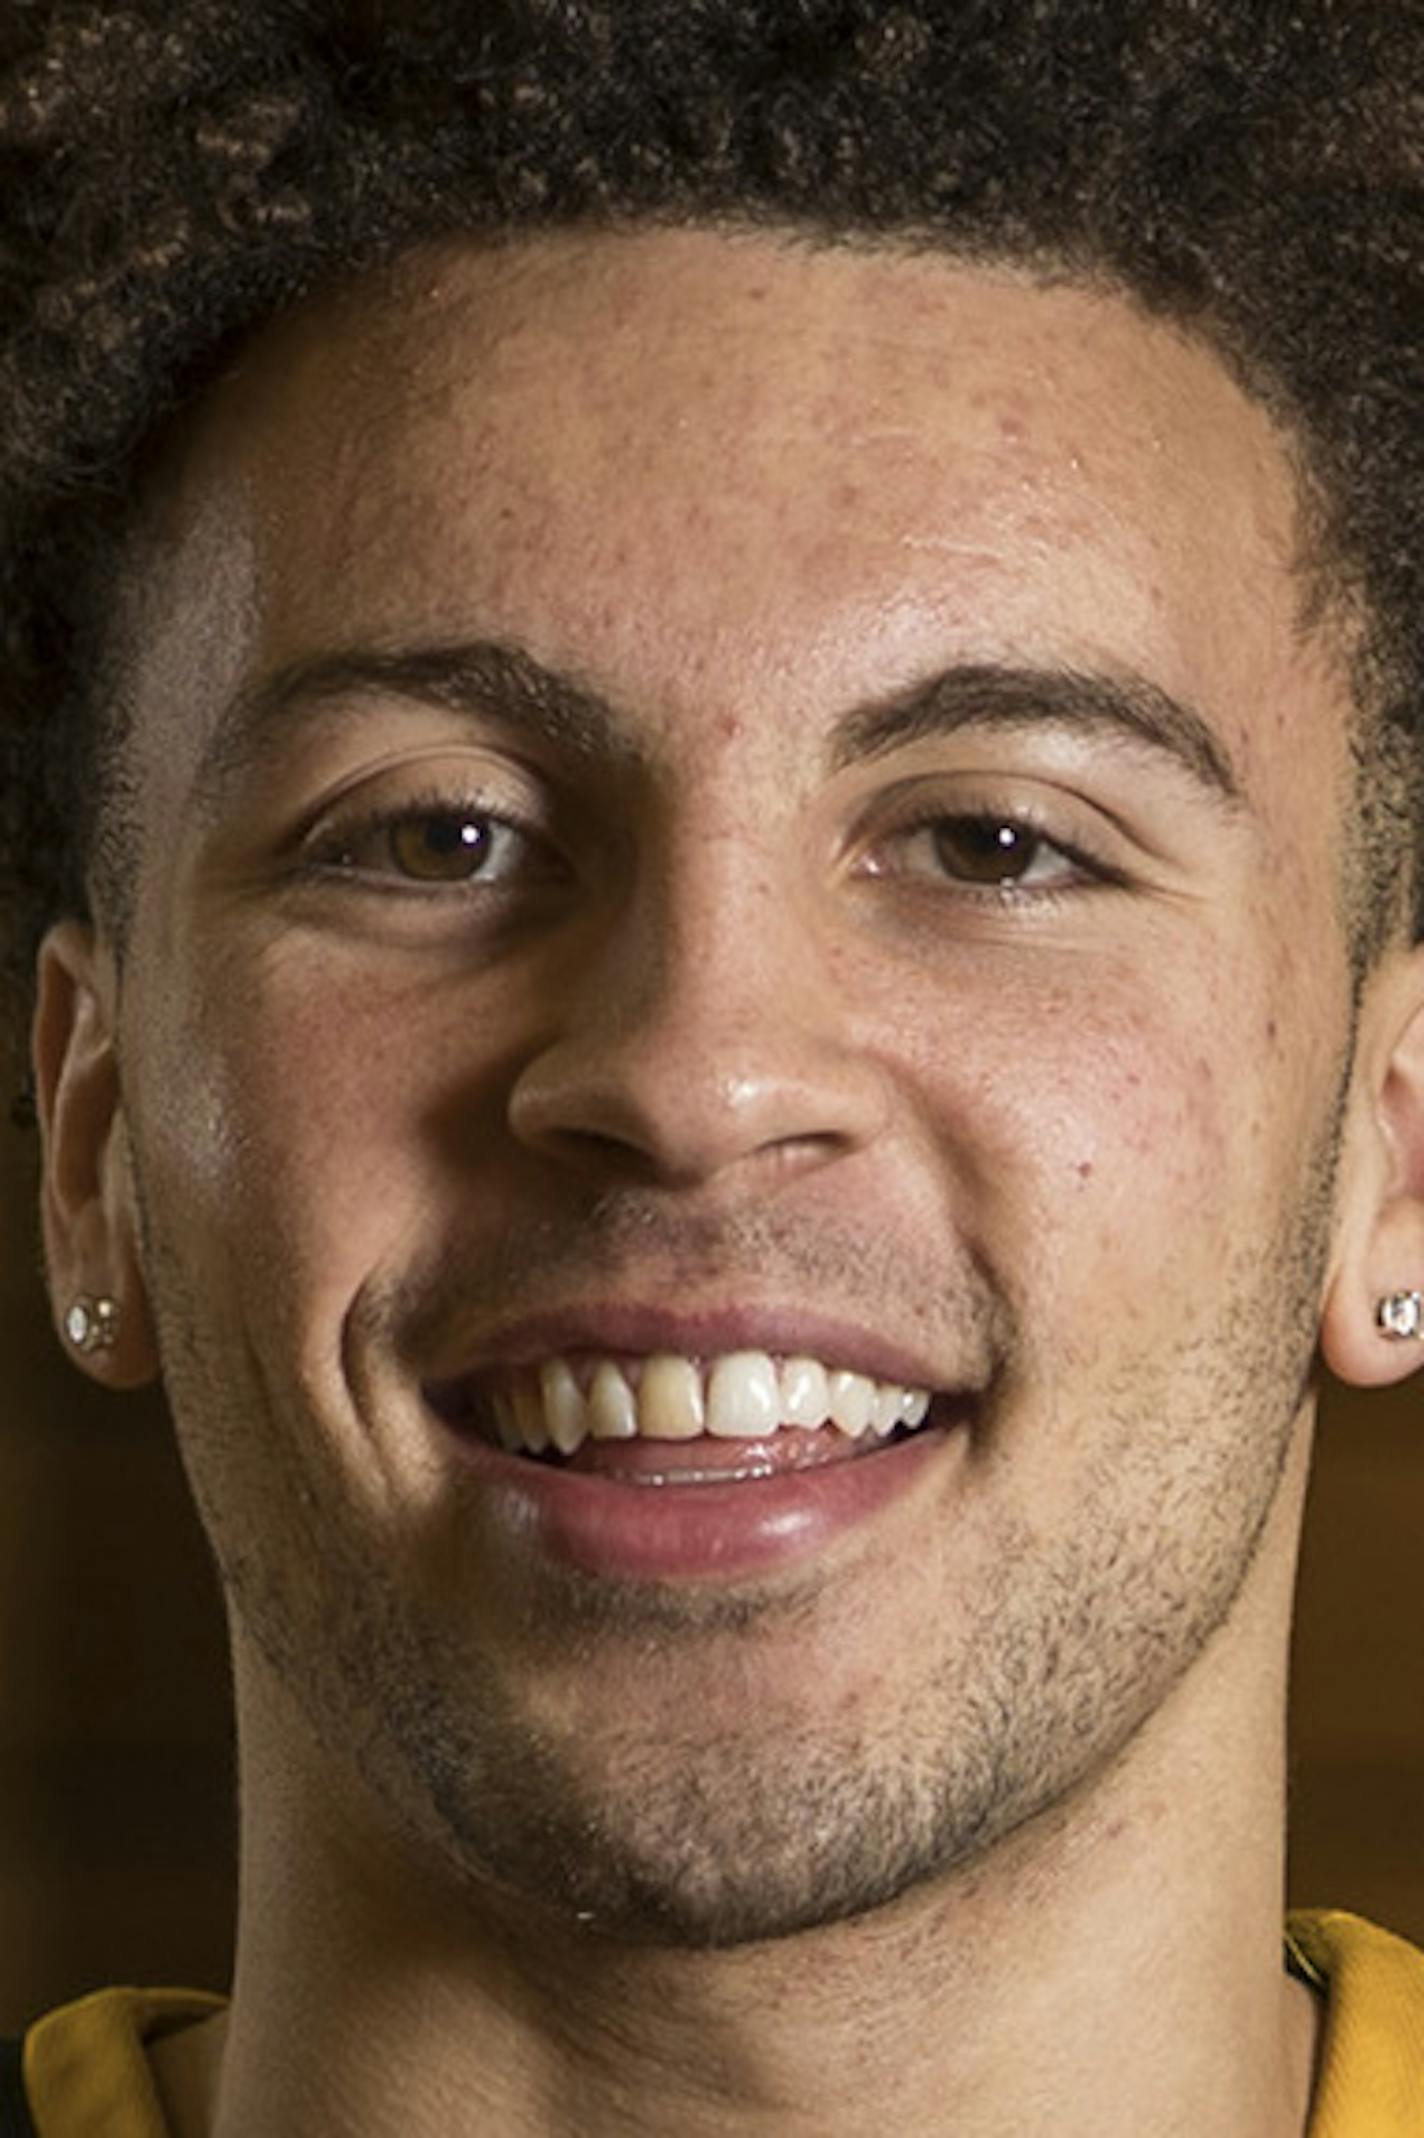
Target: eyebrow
<point>501,681</point>
<point>484,678</point>
<point>1126,708</point>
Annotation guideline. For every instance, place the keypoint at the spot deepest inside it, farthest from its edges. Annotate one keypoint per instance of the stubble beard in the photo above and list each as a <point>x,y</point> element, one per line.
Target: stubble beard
<point>699,1835</point>
<point>692,1837</point>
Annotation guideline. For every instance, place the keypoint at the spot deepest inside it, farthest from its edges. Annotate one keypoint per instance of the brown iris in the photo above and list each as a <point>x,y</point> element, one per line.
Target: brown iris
<point>985,849</point>
<point>440,849</point>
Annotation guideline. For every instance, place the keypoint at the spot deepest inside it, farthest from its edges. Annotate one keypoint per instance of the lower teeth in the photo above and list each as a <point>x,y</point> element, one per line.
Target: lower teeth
<point>868,1444</point>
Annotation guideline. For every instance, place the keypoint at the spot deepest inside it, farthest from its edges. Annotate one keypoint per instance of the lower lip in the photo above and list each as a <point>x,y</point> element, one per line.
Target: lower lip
<point>672,1532</point>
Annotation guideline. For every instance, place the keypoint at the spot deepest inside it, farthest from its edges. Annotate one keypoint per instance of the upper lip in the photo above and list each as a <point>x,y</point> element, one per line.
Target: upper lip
<point>637,1330</point>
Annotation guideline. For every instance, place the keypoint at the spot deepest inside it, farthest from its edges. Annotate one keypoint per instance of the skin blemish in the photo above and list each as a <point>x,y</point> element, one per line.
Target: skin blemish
<point>854,1093</point>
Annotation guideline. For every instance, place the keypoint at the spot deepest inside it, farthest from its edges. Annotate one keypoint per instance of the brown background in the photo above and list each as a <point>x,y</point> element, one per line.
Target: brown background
<point>116,1854</point>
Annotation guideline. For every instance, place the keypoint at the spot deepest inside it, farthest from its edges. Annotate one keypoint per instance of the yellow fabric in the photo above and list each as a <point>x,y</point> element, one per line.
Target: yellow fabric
<point>1371,2077</point>
<point>86,2071</point>
<point>87,2074</point>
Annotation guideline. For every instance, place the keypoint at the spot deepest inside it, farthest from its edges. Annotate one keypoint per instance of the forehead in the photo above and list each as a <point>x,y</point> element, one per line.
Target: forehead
<point>725,472</point>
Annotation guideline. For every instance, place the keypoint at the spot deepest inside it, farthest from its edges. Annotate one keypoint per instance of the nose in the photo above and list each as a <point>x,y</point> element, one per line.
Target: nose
<point>706,1036</point>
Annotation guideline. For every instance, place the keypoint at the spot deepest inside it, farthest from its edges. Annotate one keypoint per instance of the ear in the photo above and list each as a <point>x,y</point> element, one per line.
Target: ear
<point>1380,1201</point>
<point>88,1210</point>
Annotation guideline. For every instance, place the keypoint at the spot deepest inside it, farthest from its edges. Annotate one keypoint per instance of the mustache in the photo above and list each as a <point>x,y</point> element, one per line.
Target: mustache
<point>639,1246</point>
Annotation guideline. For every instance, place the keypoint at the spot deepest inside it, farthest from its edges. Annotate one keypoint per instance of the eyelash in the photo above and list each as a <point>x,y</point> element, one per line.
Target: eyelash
<point>328,851</point>
<point>1087,871</point>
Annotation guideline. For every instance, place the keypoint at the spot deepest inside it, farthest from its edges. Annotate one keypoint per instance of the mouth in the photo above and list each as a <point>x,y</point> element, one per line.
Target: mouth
<point>760,1437</point>
<point>676,1418</point>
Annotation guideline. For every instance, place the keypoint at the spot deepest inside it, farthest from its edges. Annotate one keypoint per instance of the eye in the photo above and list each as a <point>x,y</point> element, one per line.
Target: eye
<point>995,850</point>
<point>430,843</point>
<point>1002,841</point>
<point>986,851</point>
<point>442,847</point>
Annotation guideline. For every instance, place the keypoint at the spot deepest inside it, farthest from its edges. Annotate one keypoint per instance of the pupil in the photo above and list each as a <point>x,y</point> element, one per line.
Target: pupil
<point>984,850</point>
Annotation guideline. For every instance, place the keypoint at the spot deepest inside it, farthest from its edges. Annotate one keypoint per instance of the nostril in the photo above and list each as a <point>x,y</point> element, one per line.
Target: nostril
<point>679,1118</point>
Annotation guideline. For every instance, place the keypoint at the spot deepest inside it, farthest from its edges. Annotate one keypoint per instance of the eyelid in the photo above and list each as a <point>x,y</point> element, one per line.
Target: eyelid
<point>334,824</point>
<point>324,848</point>
<point>1091,837</point>
<point>1079,871</point>
<point>441,775</point>
<point>444,775</point>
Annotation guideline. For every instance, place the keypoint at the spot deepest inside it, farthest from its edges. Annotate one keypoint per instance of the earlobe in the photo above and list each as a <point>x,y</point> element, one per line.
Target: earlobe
<point>87,1211</point>
<point>1370,1335</point>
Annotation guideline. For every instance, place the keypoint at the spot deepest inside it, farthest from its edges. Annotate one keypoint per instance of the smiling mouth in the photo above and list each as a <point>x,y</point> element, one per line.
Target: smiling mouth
<point>670,1418</point>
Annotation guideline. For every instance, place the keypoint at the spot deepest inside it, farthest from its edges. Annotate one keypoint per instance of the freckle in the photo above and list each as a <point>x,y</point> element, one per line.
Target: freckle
<point>1270,1031</point>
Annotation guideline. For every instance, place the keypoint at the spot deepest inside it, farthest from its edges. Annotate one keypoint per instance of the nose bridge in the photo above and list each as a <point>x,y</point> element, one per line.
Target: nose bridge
<point>709,938</point>
<point>705,1031</point>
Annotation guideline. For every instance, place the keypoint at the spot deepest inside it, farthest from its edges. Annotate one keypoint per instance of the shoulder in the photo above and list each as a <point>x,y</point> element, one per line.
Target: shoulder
<point>84,2069</point>
<point>1371,2078</point>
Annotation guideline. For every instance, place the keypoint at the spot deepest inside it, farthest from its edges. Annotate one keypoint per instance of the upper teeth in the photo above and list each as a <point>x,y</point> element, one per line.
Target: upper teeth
<point>742,1395</point>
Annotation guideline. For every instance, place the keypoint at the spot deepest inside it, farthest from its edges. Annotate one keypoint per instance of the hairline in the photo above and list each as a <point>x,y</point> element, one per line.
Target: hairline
<point>1373,887</point>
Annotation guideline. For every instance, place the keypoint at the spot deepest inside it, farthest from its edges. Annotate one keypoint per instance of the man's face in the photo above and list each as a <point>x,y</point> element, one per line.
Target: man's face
<point>661,962</point>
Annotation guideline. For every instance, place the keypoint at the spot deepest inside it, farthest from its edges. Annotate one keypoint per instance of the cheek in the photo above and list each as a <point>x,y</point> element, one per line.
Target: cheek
<point>289,1124</point>
<point>1099,1131</point>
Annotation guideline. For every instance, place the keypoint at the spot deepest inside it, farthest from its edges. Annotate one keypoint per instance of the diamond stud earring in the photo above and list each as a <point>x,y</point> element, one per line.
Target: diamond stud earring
<point>92,1324</point>
<point>1400,1315</point>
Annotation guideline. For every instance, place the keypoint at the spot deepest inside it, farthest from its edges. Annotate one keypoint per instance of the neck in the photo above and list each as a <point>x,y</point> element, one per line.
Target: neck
<point>1114,1967</point>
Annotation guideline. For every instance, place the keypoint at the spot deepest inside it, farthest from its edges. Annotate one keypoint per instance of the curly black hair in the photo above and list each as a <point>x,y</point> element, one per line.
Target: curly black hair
<point>174,172</point>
